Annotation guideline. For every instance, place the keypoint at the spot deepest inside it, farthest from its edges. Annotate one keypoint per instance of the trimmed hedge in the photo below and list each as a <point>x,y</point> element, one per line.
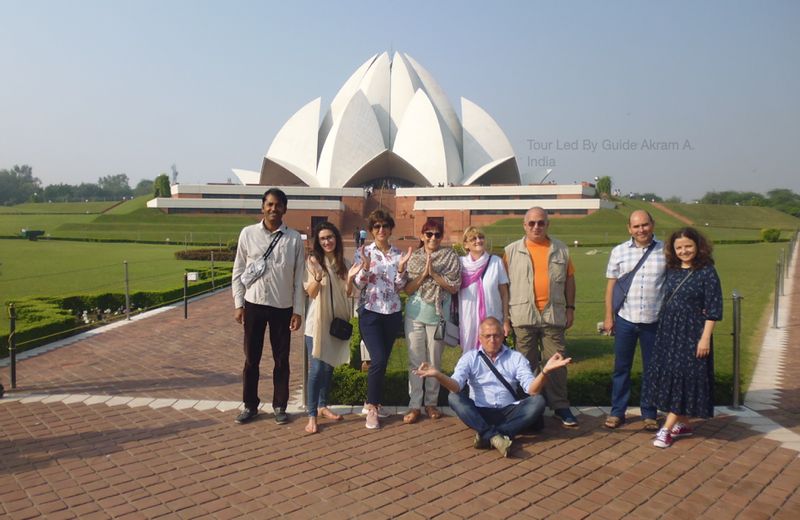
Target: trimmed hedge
<point>585,388</point>
<point>220,255</point>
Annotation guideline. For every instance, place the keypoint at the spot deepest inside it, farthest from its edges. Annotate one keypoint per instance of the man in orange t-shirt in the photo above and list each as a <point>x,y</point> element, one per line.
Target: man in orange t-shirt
<point>542,303</point>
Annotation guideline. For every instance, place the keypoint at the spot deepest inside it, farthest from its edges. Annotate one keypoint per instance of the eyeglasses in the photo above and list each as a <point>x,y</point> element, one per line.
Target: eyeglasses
<point>433,234</point>
<point>536,223</point>
<point>381,226</point>
<point>479,238</point>
<point>327,238</point>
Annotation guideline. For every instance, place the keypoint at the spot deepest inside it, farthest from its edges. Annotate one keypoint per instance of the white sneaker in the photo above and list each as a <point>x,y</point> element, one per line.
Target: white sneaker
<point>372,419</point>
<point>382,413</point>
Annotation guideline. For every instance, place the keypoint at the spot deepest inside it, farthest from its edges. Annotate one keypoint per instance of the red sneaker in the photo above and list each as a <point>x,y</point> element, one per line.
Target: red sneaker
<point>680,430</point>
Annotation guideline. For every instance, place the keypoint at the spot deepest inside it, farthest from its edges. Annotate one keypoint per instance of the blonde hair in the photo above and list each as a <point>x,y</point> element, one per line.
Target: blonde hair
<point>472,232</point>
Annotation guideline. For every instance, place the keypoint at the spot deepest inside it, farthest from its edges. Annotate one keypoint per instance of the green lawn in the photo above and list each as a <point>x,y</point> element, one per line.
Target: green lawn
<point>61,268</point>
<point>45,208</point>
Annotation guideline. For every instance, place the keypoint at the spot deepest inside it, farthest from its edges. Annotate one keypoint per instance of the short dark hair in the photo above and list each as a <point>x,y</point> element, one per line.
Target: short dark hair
<point>380,215</point>
<point>432,224</point>
<point>704,249</point>
<point>278,194</point>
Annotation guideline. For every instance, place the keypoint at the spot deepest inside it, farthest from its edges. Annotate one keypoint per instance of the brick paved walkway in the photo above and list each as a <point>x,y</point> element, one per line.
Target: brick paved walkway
<point>127,424</point>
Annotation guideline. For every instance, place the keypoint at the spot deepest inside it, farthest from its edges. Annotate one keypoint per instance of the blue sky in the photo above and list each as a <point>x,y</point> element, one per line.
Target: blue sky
<point>94,88</point>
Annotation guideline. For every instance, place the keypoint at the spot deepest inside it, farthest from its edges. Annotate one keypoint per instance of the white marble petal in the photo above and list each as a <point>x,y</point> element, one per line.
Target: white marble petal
<point>353,141</point>
<point>295,145</point>
<point>423,143</point>
<point>484,141</point>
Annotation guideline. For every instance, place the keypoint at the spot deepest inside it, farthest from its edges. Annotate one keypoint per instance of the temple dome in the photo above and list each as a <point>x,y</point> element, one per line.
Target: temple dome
<point>390,119</point>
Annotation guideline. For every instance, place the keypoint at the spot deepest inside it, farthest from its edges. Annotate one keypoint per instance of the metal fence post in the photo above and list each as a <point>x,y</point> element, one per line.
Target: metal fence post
<point>12,342</point>
<point>127,293</point>
<point>737,333</point>
<point>212,271</point>
<point>784,270</point>
<point>185,298</point>
<point>777,295</point>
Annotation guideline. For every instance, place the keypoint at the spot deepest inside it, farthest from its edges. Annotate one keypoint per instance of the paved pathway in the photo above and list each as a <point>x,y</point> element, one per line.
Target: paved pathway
<point>137,422</point>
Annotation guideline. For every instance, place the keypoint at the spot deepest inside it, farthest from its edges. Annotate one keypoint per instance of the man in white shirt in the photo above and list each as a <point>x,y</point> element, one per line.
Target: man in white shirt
<point>275,298</point>
<point>637,319</point>
<point>491,409</point>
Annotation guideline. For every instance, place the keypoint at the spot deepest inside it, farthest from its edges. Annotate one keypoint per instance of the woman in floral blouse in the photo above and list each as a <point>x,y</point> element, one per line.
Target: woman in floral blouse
<point>379,272</point>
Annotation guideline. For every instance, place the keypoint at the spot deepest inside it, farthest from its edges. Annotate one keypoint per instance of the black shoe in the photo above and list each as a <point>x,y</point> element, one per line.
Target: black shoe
<point>538,424</point>
<point>567,419</point>
<point>246,415</point>
<point>281,417</point>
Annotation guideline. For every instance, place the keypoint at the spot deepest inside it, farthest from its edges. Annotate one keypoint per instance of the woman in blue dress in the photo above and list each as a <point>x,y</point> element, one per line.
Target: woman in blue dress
<point>681,374</point>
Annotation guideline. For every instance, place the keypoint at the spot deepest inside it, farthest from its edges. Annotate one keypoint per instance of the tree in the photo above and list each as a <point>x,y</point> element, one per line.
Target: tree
<point>115,186</point>
<point>161,186</point>
<point>145,187</point>
<point>60,193</point>
<point>18,185</point>
<point>603,185</point>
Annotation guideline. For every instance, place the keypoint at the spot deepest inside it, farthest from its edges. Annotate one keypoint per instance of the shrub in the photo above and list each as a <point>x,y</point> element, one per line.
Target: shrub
<point>220,255</point>
<point>770,235</point>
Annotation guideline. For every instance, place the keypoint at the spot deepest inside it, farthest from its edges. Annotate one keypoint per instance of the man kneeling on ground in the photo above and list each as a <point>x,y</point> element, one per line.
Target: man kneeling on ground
<point>491,409</point>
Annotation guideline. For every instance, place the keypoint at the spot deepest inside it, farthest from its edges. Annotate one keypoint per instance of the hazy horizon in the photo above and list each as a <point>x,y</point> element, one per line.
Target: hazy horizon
<point>677,99</point>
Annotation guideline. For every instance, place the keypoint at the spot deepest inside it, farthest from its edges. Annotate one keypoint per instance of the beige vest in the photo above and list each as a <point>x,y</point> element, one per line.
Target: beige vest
<point>522,300</point>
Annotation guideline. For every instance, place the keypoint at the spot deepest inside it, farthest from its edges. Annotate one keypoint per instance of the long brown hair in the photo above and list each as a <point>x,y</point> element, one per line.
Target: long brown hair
<point>338,252</point>
<point>703,245</point>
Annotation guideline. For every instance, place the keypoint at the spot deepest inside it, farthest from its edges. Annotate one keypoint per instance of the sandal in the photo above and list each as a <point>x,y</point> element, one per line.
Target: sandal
<point>651,425</point>
<point>328,414</point>
<point>412,416</point>
<point>433,412</point>
<point>613,422</point>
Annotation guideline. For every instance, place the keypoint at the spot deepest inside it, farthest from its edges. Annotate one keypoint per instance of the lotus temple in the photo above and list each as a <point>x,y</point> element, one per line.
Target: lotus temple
<point>390,138</point>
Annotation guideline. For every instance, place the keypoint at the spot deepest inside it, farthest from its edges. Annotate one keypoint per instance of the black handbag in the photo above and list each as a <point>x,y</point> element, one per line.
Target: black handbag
<point>341,329</point>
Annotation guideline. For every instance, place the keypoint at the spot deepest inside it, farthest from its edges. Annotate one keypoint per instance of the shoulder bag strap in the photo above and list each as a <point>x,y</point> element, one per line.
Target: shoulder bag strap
<point>497,373</point>
<point>272,245</point>
<point>678,287</point>
<point>644,257</point>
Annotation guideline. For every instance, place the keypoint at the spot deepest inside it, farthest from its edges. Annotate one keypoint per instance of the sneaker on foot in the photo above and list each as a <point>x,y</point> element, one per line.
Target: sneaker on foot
<point>663,439</point>
<point>479,444</point>
<point>246,415</point>
<point>680,430</point>
<point>501,443</point>
<point>281,417</point>
<point>382,412</point>
<point>372,419</point>
<point>567,419</point>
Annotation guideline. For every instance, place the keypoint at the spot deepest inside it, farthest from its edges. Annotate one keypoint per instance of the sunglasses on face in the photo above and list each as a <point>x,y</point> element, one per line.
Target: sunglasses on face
<point>536,223</point>
<point>327,238</point>
<point>381,226</point>
<point>433,234</point>
<point>477,239</point>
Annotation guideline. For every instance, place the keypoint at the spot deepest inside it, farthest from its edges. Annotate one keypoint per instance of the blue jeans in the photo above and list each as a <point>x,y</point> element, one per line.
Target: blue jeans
<point>626,335</point>
<point>488,422</point>
<point>378,332</point>
<point>319,381</point>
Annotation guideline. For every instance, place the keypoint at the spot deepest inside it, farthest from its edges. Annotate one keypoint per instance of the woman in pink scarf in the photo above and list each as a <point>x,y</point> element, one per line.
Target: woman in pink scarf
<point>484,289</point>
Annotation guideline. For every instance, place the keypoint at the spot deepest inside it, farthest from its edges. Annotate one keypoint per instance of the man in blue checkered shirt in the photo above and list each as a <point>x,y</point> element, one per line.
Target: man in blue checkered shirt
<point>637,320</point>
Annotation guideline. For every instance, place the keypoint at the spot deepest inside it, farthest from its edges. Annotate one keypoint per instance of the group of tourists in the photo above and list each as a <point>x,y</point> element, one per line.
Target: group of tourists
<point>666,296</point>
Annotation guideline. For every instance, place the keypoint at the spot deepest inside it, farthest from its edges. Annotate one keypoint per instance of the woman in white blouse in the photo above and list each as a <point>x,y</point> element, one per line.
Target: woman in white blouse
<point>484,289</point>
<point>379,272</point>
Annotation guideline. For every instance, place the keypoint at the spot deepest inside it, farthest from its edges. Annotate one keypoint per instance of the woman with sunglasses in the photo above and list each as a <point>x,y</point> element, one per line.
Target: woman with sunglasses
<point>434,275</point>
<point>484,289</point>
<point>327,285</point>
<point>379,271</point>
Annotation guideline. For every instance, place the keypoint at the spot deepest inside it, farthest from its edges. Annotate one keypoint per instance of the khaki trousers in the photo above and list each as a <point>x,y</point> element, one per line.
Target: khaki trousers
<point>552,340</point>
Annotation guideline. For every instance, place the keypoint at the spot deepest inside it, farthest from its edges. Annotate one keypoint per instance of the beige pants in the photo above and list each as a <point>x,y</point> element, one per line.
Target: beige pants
<point>552,341</point>
<point>422,347</point>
